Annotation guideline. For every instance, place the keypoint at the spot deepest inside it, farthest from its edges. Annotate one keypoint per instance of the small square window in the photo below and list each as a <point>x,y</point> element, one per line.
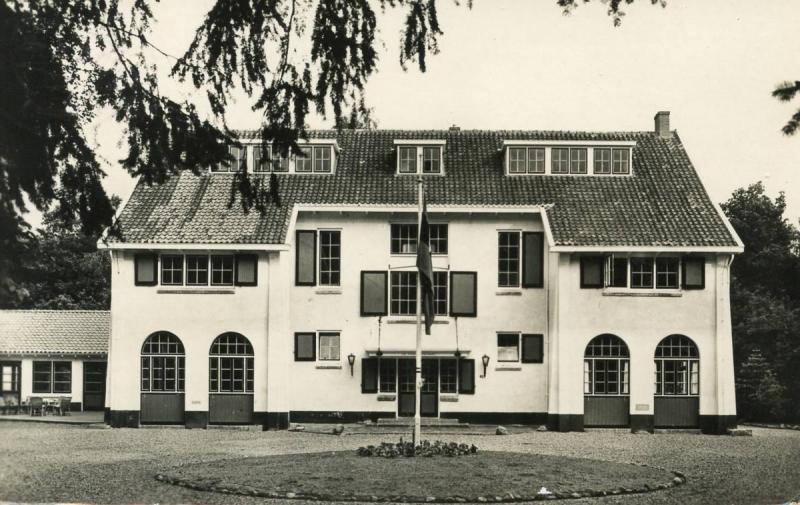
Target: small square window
<point>431,160</point>
<point>222,270</point>
<point>667,273</point>
<point>197,270</point>
<point>508,347</point>
<point>328,346</point>
<point>641,273</point>
<point>171,270</point>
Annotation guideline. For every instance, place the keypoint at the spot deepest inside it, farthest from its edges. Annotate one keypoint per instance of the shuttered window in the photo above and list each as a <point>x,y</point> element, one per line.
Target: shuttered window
<point>373,293</point>
<point>532,259</point>
<point>145,268</point>
<point>305,346</point>
<point>306,258</point>
<point>246,270</point>
<point>463,294</point>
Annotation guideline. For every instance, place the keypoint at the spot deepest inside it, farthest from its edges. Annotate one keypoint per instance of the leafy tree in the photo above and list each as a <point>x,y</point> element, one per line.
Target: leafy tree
<point>760,394</point>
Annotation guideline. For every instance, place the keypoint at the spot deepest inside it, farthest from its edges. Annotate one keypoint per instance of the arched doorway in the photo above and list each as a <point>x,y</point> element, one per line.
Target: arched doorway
<point>677,398</point>
<point>162,379</point>
<point>606,382</point>
<point>230,374</point>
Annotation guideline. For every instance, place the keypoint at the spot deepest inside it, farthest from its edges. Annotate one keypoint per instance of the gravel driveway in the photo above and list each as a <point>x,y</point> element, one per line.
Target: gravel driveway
<point>49,463</point>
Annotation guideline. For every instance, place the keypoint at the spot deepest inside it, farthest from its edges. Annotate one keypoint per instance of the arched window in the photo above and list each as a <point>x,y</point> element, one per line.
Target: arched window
<point>231,364</point>
<point>606,366</point>
<point>163,363</point>
<point>677,367</point>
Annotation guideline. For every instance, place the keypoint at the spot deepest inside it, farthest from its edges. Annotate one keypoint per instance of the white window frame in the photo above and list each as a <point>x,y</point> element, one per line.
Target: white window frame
<point>547,147</point>
<point>420,146</point>
<point>629,287</point>
<point>319,257</point>
<point>329,334</point>
<point>519,346</point>
<point>518,285</point>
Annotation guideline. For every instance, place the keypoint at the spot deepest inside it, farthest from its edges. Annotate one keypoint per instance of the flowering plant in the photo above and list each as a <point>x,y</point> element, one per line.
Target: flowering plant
<point>425,448</point>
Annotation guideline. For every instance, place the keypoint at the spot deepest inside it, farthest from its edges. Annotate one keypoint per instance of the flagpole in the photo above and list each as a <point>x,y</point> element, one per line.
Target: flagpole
<point>418,374</point>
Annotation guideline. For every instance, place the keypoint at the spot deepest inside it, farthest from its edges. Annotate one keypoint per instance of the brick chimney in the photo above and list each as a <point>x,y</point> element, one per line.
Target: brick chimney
<point>662,124</point>
<point>455,128</point>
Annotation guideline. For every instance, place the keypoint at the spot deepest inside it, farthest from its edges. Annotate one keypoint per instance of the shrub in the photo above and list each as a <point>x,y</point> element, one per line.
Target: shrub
<point>425,448</point>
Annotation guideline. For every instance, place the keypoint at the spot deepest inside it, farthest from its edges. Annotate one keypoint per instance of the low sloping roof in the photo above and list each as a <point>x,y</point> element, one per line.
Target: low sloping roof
<point>662,204</point>
<point>69,332</point>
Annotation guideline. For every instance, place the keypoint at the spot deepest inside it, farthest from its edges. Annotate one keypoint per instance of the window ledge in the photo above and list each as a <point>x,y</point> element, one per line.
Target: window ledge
<point>646,293</point>
<point>328,291</point>
<point>386,397</point>
<point>221,290</point>
<point>326,366</point>
<point>509,292</point>
<point>448,397</point>
<point>507,368</point>
<point>413,320</point>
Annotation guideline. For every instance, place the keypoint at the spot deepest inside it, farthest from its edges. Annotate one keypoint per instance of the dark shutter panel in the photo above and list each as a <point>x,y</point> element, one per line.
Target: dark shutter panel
<point>532,348</point>
<point>246,270</point>
<point>592,271</point>
<point>369,375</point>
<point>463,294</point>
<point>374,293</point>
<point>619,278</point>
<point>466,376</point>
<point>306,258</point>
<point>145,269</point>
<point>694,273</point>
<point>305,346</point>
<point>532,259</point>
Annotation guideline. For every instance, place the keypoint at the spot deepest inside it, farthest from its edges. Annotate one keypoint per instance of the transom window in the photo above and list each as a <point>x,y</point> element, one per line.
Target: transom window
<point>677,367</point>
<point>419,159</point>
<point>52,376</point>
<point>508,265</point>
<point>403,293</point>
<point>330,257</point>
<point>404,238</point>
<point>231,364</point>
<point>606,366</point>
<point>162,363</point>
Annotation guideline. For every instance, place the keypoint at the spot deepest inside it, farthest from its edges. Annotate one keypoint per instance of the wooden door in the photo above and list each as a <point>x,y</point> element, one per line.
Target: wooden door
<point>94,385</point>
<point>10,377</point>
<point>429,399</point>
<point>406,388</point>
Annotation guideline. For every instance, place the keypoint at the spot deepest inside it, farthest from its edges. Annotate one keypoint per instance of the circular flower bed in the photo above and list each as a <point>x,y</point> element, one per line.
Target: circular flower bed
<point>492,477</point>
<point>426,448</point>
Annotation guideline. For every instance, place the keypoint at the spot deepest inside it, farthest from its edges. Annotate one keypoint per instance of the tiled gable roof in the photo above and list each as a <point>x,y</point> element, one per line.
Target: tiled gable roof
<point>67,332</point>
<point>662,204</point>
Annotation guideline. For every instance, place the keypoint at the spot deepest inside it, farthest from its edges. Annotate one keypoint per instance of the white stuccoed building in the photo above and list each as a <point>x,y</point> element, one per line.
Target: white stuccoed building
<point>581,280</point>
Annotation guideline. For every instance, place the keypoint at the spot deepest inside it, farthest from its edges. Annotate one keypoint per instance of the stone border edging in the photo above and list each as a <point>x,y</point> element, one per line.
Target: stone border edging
<point>782,426</point>
<point>213,486</point>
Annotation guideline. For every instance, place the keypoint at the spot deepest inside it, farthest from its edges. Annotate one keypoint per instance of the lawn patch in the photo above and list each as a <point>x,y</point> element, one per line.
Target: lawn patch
<point>484,477</point>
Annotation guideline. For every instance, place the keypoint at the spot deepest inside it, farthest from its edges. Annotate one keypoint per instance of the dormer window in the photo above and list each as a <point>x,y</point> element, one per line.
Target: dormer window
<point>272,162</point>
<point>238,163</point>
<point>568,157</point>
<point>316,157</point>
<point>420,157</point>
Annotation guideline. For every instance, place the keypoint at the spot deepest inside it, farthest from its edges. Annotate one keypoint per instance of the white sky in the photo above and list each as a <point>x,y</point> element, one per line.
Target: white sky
<point>522,64</point>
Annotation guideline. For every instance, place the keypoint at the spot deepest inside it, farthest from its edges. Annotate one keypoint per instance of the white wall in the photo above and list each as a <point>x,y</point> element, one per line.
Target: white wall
<point>26,378</point>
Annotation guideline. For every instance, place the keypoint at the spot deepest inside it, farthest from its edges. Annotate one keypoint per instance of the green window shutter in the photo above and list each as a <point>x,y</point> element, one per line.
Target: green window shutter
<point>246,270</point>
<point>466,376</point>
<point>532,348</point>
<point>369,375</point>
<point>145,269</point>
<point>305,346</point>
<point>374,293</point>
<point>532,259</point>
<point>306,258</point>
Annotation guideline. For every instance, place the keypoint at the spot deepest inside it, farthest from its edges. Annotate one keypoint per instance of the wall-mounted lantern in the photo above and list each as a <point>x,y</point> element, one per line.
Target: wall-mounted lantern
<point>485,360</point>
<point>351,359</point>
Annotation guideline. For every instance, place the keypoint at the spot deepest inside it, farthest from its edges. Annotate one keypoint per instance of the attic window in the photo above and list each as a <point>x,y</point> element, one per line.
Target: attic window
<point>315,157</point>
<point>237,163</point>
<point>571,157</point>
<point>422,157</point>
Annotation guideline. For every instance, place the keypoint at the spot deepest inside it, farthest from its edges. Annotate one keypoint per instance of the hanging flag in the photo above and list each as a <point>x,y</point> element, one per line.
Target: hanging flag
<point>425,267</point>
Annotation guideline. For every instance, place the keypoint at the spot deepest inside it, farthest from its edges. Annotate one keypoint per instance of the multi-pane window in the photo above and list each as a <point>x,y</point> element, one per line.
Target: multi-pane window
<point>677,367</point>
<point>196,270</point>
<point>304,161</point>
<point>404,238</point>
<point>260,163</point>
<point>508,259</point>
<point>508,347</point>
<point>606,366</point>
<point>559,162</point>
<point>322,159</point>
<point>403,292</point>
<point>577,160</point>
<point>448,376</point>
<point>387,376</point>
<point>52,376</point>
<point>641,273</point>
<point>440,293</point>
<point>667,273</point>
<point>407,160</point>
<point>328,346</point>
<point>528,160</point>
<point>171,270</point>
<point>602,160</point>
<point>222,270</point>
<point>231,364</point>
<point>10,378</point>
<point>236,163</point>
<point>431,160</point>
<point>330,257</point>
<point>162,363</point>
<point>272,161</point>
<point>620,161</point>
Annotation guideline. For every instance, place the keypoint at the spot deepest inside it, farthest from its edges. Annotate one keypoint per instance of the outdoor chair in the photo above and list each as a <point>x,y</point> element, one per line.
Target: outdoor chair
<point>63,405</point>
<point>36,404</point>
<point>2,405</point>
<point>12,405</point>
